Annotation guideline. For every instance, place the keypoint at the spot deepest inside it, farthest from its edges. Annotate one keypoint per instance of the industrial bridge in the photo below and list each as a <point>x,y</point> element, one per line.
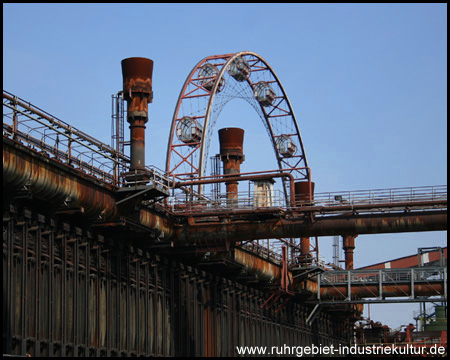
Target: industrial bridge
<point>105,255</point>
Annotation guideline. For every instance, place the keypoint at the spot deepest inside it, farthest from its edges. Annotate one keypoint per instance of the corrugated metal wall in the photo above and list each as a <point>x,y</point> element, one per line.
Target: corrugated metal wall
<point>67,292</point>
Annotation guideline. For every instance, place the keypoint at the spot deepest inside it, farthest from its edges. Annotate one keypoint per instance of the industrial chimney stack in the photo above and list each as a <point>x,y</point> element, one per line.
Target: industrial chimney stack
<point>232,155</point>
<point>137,89</point>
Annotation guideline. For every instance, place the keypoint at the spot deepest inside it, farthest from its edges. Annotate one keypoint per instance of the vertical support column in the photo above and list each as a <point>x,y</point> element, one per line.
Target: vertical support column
<point>284,275</point>
<point>51,290</point>
<point>349,285</point>
<point>349,247</point>
<point>7,260</point>
<point>305,257</point>
<point>15,122</point>
<point>445,282</point>
<point>37,290</point>
<point>109,294</point>
<point>24,291</point>
<point>380,284</point>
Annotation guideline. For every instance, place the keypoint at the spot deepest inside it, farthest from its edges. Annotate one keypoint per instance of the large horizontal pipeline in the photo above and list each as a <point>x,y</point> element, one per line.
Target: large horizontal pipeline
<point>321,226</point>
<point>58,183</point>
<point>55,183</point>
<point>262,268</point>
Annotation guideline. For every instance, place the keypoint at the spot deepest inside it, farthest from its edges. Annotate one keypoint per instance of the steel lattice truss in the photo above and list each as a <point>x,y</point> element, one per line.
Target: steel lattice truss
<point>212,83</point>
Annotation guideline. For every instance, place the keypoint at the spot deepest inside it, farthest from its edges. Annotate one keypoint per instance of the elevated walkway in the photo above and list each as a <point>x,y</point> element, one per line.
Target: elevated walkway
<point>378,285</point>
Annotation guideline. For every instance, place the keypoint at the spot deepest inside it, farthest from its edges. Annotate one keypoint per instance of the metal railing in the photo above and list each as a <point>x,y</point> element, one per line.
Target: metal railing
<point>373,200</point>
<point>250,200</point>
<point>358,277</point>
<point>381,196</point>
<point>384,280</point>
<point>50,136</point>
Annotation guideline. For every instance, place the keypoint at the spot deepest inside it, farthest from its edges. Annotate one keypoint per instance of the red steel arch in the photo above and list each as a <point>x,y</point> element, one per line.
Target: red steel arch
<point>213,82</point>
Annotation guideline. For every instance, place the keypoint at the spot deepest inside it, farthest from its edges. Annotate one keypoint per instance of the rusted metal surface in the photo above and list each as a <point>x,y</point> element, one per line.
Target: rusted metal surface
<point>163,225</point>
<point>265,270</point>
<point>304,192</point>
<point>370,291</point>
<point>35,129</point>
<point>39,130</point>
<point>349,248</point>
<point>377,284</point>
<point>305,251</point>
<point>137,88</point>
<point>321,226</point>
<point>55,184</point>
<point>50,183</point>
<point>232,155</point>
<point>231,142</point>
<point>70,293</point>
<point>60,185</point>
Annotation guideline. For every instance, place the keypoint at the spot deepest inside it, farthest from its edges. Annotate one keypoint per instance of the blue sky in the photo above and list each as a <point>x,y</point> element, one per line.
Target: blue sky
<point>367,83</point>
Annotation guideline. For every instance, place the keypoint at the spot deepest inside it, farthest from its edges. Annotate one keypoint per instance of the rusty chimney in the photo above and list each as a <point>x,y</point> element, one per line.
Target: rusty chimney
<point>137,90</point>
<point>303,191</point>
<point>232,155</point>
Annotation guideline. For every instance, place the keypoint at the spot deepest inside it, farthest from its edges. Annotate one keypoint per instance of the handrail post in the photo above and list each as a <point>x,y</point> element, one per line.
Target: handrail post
<point>349,286</point>
<point>380,285</point>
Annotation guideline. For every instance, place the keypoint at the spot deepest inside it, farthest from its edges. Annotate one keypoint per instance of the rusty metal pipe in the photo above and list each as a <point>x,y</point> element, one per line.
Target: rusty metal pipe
<point>304,246</point>
<point>305,251</point>
<point>54,182</point>
<point>321,226</point>
<point>58,183</point>
<point>262,268</point>
<point>349,247</point>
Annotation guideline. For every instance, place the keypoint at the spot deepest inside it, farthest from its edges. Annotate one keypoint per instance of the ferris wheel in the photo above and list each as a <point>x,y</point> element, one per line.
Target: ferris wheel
<point>211,84</point>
